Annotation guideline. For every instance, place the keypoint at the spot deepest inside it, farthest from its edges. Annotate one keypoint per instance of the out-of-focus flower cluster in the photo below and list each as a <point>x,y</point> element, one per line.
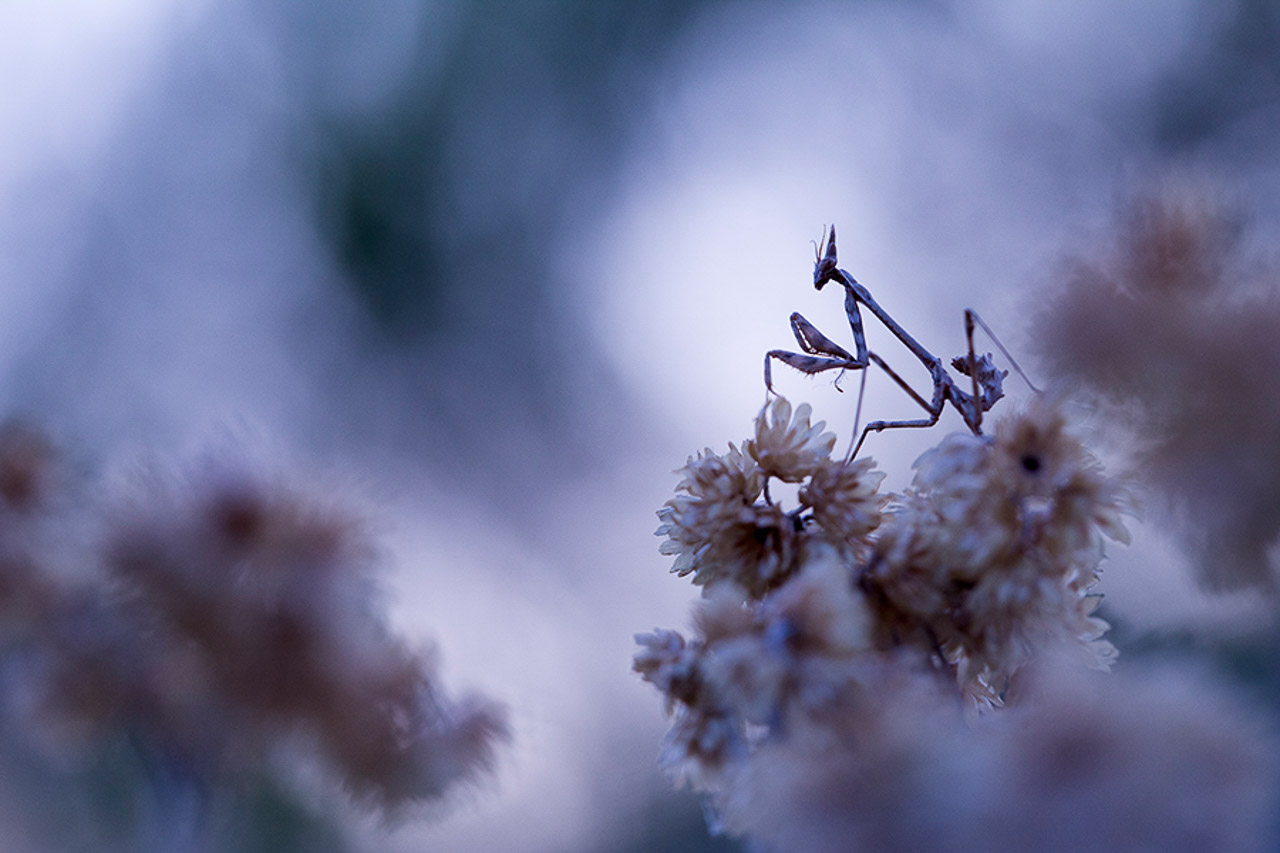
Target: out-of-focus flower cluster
<point>993,554</point>
<point>228,622</point>
<point>871,671</point>
<point>1172,323</point>
<point>1119,763</point>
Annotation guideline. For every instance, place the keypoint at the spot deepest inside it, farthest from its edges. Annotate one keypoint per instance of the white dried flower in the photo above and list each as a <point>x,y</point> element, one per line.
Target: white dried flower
<point>249,614</point>
<point>992,554</point>
<point>844,498</point>
<point>802,650</point>
<point>1153,761</point>
<point>719,533</point>
<point>859,786</point>
<point>1170,322</point>
<point>698,747</point>
<point>667,662</point>
<point>717,490</point>
<point>1157,763</point>
<point>802,654</point>
<point>787,447</point>
<point>723,614</point>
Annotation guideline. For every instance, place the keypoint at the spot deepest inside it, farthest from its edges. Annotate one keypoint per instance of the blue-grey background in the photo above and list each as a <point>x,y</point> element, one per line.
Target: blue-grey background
<point>503,265</point>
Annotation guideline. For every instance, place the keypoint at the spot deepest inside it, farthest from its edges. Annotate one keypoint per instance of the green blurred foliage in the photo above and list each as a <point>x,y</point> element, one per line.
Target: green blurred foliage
<point>444,203</point>
<point>1234,74</point>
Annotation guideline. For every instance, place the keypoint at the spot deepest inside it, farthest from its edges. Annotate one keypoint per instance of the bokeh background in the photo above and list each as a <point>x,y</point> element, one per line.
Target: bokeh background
<point>502,266</point>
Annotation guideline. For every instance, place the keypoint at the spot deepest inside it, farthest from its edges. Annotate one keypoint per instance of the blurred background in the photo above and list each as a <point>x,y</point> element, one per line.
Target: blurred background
<point>503,266</point>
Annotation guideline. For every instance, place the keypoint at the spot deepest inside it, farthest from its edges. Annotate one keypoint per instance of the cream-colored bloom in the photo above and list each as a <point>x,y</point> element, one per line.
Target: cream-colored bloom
<point>796,651</point>
<point>249,614</point>
<point>719,533</point>
<point>816,703</point>
<point>753,547</point>
<point>1169,322</point>
<point>717,490</point>
<point>992,555</point>
<point>844,498</point>
<point>807,652</point>
<point>723,614</point>
<point>1036,457</point>
<point>698,746</point>
<point>1120,763</point>
<point>786,446</point>
<point>667,662</point>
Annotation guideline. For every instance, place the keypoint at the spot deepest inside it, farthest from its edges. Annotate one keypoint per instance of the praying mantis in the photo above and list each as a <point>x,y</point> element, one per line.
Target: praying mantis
<point>820,353</point>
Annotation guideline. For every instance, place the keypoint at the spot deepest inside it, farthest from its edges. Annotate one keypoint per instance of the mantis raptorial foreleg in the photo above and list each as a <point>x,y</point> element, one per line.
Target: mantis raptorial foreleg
<point>820,353</point>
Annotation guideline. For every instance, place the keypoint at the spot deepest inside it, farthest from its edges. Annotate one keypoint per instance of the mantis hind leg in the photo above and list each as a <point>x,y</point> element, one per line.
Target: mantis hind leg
<point>933,408</point>
<point>971,317</point>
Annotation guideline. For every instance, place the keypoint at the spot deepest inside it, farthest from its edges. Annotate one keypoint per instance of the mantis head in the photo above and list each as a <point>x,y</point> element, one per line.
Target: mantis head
<point>824,262</point>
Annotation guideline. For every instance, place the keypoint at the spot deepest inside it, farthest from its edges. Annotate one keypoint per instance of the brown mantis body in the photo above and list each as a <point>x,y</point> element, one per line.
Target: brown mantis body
<point>820,353</point>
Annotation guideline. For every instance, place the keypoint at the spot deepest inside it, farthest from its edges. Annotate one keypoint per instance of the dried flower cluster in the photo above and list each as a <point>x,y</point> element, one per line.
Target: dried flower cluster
<point>1119,764</point>
<point>834,693</point>
<point>1173,326</point>
<point>221,620</point>
<point>725,528</point>
<point>992,555</point>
